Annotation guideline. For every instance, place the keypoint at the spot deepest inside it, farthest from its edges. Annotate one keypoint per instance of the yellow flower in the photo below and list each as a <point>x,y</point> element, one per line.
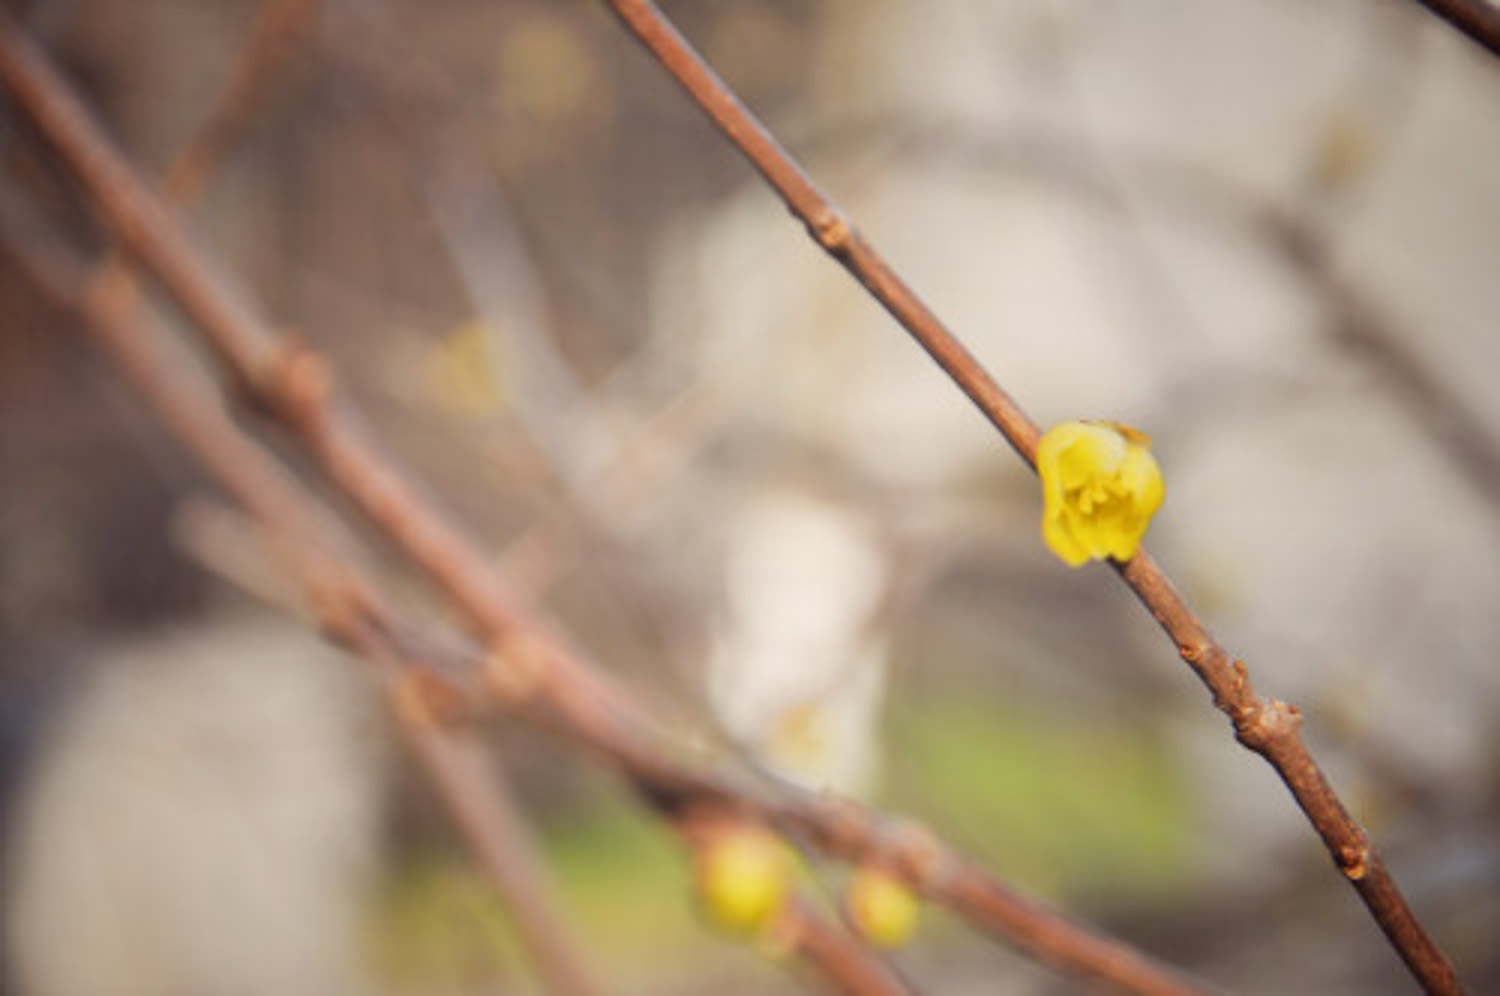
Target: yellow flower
<point>882,908</point>
<point>744,877</point>
<point>1100,488</point>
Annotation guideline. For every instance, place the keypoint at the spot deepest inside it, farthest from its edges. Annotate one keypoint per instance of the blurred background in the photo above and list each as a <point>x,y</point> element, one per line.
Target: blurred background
<point>1265,232</point>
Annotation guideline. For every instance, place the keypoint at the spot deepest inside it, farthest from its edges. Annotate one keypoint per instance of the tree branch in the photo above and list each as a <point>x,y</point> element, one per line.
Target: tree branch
<point>844,962</point>
<point>526,665</point>
<point>311,546</point>
<point>479,800</point>
<point>1478,19</point>
<point>307,537</point>
<point>1268,728</point>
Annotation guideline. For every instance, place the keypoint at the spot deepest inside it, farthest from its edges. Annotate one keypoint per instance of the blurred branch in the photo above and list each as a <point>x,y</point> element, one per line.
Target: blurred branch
<point>1355,321</point>
<point>1358,327</point>
<point>571,434</point>
<point>278,29</point>
<point>526,665</point>
<point>845,963</point>
<point>310,542</point>
<point>1269,728</point>
<point>489,253</point>
<point>1478,19</point>
<point>479,799</point>
<point>312,547</point>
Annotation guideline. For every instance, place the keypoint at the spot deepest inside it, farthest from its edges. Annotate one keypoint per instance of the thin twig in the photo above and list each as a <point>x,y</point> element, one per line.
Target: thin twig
<point>527,663</point>
<point>1271,729</point>
<point>826,222</point>
<point>480,801</point>
<point>1354,320</point>
<point>350,611</point>
<point>844,962</point>
<point>480,806</point>
<point>278,28</point>
<point>1355,324</point>
<point>274,37</point>
<point>314,550</point>
<point>1478,19</point>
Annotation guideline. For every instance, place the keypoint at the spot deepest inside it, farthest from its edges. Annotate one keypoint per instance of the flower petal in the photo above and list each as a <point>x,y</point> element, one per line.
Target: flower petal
<point>1100,488</point>
<point>1058,534</point>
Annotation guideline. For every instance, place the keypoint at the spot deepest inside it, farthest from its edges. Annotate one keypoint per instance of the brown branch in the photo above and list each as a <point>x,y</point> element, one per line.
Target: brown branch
<point>279,27</point>
<point>844,962</point>
<point>527,665</point>
<point>313,549</point>
<point>351,613</point>
<point>481,803</point>
<point>1268,728</point>
<point>1357,325</point>
<point>826,222</point>
<point>1477,19</point>
<point>1355,322</point>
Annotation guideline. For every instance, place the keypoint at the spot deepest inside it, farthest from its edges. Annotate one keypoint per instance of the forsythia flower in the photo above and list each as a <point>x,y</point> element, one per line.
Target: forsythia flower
<point>744,877</point>
<point>1100,487</point>
<point>882,908</point>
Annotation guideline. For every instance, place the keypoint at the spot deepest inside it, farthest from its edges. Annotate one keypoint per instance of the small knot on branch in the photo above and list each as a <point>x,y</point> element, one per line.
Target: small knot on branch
<point>1233,694</point>
<point>1259,725</point>
<point>831,229</point>
<point>1241,677</point>
<point>906,848</point>
<point>841,824</point>
<point>918,854</point>
<point>513,669</point>
<point>1354,860</point>
<point>300,382</point>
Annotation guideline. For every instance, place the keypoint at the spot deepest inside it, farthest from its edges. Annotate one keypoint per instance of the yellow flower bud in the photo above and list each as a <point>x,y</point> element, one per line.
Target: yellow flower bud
<point>744,877</point>
<point>1100,488</point>
<point>882,907</point>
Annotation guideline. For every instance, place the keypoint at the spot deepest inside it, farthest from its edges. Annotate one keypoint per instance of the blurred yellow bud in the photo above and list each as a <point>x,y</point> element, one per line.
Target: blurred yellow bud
<point>463,370</point>
<point>1100,488</point>
<point>882,908</point>
<point>744,877</point>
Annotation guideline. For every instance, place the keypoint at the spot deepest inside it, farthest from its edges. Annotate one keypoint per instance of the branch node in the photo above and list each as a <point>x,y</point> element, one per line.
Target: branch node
<point>830,227</point>
<point>1354,860</point>
<point>1241,675</point>
<point>300,381</point>
<point>1259,725</point>
<point>919,854</point>
<point>512,669</point>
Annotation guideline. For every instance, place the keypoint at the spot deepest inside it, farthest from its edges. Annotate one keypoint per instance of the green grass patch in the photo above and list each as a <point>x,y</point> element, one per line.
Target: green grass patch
<point>619,874</point>
<point>1059,805</point>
